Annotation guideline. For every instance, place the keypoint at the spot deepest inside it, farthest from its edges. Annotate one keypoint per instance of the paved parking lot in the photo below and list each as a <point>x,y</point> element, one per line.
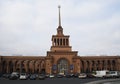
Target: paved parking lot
<point>58,80</point>
<point>52,81</point>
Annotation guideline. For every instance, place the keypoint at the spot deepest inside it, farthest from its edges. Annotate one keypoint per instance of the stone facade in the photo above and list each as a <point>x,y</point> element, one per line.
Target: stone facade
<point>46,64</point>
<point>60,59</point>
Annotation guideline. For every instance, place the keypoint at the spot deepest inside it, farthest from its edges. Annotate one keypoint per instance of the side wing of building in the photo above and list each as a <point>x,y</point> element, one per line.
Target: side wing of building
<point>28,64</point>
<point>93,63</point>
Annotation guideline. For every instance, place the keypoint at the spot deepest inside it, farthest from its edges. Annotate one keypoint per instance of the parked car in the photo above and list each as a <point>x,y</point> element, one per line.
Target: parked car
<point>41,76</point>
<point>14,76</point>
<point>101,73</point>
<point>67,75</point>
<point>71,75</point>
<point>59,76</point>
<point>82,75</point>
<point>47,75</point>
<point>89,75</point>
<point>32,77</point>
<point>76,75</point>
<point>113,74</point>
<point>23,76</point>
<point>51,76</point>
<point>15,73</point>
<point>6,76</point>
<point>0,75</point>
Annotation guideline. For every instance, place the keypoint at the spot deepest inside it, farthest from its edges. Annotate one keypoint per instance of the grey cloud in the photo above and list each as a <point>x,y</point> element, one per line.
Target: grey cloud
<point>27,26</point>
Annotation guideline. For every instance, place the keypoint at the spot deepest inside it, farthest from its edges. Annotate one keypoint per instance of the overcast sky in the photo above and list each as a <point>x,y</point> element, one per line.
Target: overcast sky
<point>27,26</point>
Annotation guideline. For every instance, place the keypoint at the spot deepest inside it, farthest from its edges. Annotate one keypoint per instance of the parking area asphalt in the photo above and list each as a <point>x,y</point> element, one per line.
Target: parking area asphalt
<point>55,80</point>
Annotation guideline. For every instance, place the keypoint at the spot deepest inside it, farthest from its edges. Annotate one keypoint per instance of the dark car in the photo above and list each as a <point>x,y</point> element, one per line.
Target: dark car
<point>71,75</point>
<point>0,75</point>
<point>13,77</point>
<point>6,76</point>
<point>32,77</point>
<point>90,76</point>
<point>76,75</point>
<point>41,76</point>
<point>67,75</point>
<point>47,75</point>
<point>59,76</point>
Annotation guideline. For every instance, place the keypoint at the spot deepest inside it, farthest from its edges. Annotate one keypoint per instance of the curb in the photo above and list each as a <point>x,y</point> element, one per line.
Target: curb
<point>103,81</point>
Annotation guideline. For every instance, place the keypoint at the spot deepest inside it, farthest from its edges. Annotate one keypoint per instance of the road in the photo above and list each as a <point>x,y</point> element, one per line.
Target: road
<point>51,81</point>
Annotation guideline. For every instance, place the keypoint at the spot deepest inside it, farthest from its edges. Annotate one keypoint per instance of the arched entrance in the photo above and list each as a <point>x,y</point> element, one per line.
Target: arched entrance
<point>63,66</point>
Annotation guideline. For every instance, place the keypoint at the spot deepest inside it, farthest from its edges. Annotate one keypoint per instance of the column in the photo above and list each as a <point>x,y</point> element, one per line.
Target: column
<point>39,67</point>
<point>78,68</point>
<point>14,67</point>
<point>53,42</point>
<point>85,65</point>
<point>7,67</point>
<point>101,65</point>
<point>90,66</point>
<point>68,41</point>
<point>111,65</point>
<point>20,66</point>
<point>1,67</point>
<point>26,66</point>
<point>65,42</point>
<point>57,42</point>
<point>95,67</point>
<point>105,64</point>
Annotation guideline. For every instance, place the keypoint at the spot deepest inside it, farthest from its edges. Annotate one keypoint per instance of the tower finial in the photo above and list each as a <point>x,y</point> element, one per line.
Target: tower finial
<point>59,29</point>
<point>59,15</point>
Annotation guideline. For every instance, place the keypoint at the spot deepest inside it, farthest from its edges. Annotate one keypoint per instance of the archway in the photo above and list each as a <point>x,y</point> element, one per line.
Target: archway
<point>63,66</point>
<point>10,67</point>
<point>4,67</point>
<point>42,66</point>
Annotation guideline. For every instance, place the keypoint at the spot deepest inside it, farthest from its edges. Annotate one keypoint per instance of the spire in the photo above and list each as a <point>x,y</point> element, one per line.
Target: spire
<point>59,29</point>
<point>59,15</point>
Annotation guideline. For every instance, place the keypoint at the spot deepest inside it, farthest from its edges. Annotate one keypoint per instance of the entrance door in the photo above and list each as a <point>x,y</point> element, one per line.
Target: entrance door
<point>62,66</point>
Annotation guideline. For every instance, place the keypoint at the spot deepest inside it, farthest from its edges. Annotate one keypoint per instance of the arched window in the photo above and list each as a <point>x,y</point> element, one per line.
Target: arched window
<point>63,41</point>
<point>66,41</point>
<point>60,41</point>
<point>54,42</point>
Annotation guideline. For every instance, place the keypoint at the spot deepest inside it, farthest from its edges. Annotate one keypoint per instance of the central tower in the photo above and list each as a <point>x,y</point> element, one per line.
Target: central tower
<point>61,59</point>
<point>60,42</point>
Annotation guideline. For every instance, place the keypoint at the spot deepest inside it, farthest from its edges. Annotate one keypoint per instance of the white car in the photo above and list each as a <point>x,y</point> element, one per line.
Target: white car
<point>51,76</point>
<point>82,75</point>
<point>15,74</point>
<point>23,76</point>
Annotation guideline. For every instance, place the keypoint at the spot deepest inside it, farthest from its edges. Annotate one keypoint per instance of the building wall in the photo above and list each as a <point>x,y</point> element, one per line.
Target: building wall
<point>22,64</point>
<point>94,63</point>
<point>41,64</point>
